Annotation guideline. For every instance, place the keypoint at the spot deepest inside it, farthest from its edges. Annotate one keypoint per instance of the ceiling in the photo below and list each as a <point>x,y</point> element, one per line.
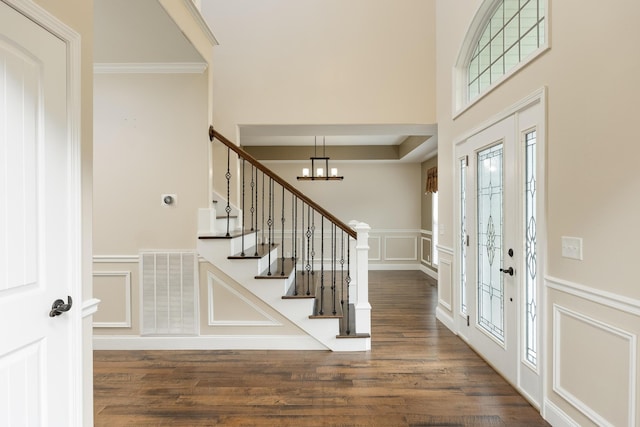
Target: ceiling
<point>141,32</point>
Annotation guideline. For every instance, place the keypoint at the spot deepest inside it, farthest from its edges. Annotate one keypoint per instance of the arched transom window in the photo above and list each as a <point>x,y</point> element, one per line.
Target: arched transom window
<point>504,35</point>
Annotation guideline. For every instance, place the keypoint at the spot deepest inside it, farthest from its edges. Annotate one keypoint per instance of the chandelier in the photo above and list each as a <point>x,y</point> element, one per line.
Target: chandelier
<point>321,172</point>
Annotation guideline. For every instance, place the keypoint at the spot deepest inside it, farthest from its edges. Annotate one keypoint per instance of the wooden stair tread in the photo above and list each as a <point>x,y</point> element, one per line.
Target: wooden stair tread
<point>254,252</point>
<point>278,270</point>
<point>232,234</point>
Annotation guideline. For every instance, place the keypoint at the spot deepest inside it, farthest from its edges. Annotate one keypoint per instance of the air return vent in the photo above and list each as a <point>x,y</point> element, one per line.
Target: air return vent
<point>169,293</point>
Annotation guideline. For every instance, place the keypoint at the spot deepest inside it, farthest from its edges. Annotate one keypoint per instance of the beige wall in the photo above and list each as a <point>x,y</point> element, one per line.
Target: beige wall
<point>359,195</point>
<point>591,191</point>
<point>150,140</point>
<point>322,62</point>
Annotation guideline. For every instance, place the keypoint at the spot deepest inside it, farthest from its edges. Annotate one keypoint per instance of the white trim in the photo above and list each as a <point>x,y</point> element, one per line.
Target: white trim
<point>608,299</point>
<point>558,311</point>
<point>415,248</point>
<point>429,272</point>
<point>446,320</point>
<point>445,249</point>
<point>537,96</point>
<point>390,267</point>
<point>127,299</point>
<point>197,16</point>
<point>211,278</point>
<point>90,307</point>
<point>556,416</point>
<point>427,232</point>
<point>208,342</point>
<point>116,259</point>
<point>149,67</point>
<point>395,231</point>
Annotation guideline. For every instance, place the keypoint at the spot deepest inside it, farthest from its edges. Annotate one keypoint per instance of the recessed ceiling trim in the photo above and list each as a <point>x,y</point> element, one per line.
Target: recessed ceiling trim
<point>150,68</point>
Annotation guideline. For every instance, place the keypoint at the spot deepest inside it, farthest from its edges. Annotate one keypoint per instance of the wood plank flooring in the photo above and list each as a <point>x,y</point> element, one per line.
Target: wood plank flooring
<point>417,374</point>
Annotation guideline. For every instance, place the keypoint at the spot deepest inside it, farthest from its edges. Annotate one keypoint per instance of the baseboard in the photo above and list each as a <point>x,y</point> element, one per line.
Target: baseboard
<point>446,320</point>
<point>556,416</point>
<point>209,342</point>
<point>414,266</point>
<point>429,272</point>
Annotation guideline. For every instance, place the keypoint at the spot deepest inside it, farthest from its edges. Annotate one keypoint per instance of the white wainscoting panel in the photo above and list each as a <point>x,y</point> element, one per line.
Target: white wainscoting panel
<point>375,248</point>
<point>113,289</point>
<point>591,359</point>
<point>244,312</point>
<point>425,250</point>
<point>405,248</point>
<point>445,284</point>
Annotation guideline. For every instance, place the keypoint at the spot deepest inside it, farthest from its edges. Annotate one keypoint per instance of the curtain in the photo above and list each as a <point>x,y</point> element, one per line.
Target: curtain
<point>432,180</point>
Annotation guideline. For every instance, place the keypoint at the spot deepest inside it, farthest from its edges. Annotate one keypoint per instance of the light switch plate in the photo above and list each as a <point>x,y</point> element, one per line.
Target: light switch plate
<point>572,247</point>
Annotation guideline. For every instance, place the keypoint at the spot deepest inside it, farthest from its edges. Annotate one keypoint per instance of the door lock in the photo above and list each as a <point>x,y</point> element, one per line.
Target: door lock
<point>59,306</point>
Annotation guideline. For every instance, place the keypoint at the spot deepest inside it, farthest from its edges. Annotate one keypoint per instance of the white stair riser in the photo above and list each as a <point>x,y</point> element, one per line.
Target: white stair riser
<point>271,291</point>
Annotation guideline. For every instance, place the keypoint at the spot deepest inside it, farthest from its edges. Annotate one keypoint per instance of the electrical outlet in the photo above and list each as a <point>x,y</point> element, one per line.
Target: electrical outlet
<point>572,247</point>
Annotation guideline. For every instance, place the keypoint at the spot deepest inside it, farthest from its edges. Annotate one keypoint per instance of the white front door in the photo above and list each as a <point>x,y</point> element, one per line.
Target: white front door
<point>497,169</point>
<point>40,351</point>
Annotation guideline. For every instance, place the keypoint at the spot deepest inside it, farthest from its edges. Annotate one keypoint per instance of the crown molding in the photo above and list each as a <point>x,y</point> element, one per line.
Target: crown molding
<point>149,68</point>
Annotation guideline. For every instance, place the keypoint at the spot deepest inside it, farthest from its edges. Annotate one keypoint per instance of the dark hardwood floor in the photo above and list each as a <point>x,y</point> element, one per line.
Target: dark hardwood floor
<point>417,374</point>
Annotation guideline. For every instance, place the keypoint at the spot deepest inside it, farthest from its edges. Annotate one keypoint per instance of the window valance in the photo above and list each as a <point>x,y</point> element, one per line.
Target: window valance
<point>432,180</point>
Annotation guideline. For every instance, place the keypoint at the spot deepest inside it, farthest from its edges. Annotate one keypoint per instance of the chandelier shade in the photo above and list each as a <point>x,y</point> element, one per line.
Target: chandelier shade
<point>319,170</point>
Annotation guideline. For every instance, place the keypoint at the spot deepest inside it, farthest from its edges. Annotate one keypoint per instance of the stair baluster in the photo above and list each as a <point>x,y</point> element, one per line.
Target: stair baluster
<point>294,242</point>
<point>228,176</point>
<point>282,239</point>
<point>256,227</point>
<point>270,224</point>
<point>263,228</point>
<point>242,226</point>
<point>252,185</point>
<point>333,268</point>
<point>321,264</point>
<point>308,266</point>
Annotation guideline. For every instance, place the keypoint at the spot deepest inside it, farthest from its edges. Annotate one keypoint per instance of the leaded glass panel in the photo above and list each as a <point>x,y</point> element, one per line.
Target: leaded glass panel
<point>463,235</point>
<point>531,320</point>
<point>489,241</point>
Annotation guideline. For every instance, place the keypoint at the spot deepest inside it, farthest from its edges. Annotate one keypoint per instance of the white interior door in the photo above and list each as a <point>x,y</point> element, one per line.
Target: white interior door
<point>40,360</point>
<point>497,170</point>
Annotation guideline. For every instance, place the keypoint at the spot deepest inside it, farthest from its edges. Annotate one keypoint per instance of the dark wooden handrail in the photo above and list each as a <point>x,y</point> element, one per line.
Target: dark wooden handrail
<point>244,155</point>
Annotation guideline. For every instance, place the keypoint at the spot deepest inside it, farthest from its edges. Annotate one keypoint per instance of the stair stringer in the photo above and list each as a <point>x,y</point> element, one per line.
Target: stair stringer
<point>270,291</point>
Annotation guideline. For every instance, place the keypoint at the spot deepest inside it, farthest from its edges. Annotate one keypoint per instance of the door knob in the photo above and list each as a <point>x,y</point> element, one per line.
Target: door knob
<point>508,271</point>
<point>59,306</point>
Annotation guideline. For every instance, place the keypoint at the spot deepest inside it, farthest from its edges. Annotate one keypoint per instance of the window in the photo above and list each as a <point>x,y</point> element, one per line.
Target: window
<point>504,35</point>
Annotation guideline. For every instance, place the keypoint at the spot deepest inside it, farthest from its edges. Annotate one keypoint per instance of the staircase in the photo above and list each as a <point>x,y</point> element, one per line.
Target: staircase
<point>312,269</point>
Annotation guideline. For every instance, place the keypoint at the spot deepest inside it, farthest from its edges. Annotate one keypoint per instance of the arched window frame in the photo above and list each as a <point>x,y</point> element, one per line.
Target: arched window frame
<point>479,23</point>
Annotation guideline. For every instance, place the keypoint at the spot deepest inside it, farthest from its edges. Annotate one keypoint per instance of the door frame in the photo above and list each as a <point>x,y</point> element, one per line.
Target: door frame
<point>80,351</point>
<point>537,97</point>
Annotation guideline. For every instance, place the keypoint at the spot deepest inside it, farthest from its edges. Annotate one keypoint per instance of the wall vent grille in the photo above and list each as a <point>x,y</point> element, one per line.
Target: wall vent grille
<point>169,293</point>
